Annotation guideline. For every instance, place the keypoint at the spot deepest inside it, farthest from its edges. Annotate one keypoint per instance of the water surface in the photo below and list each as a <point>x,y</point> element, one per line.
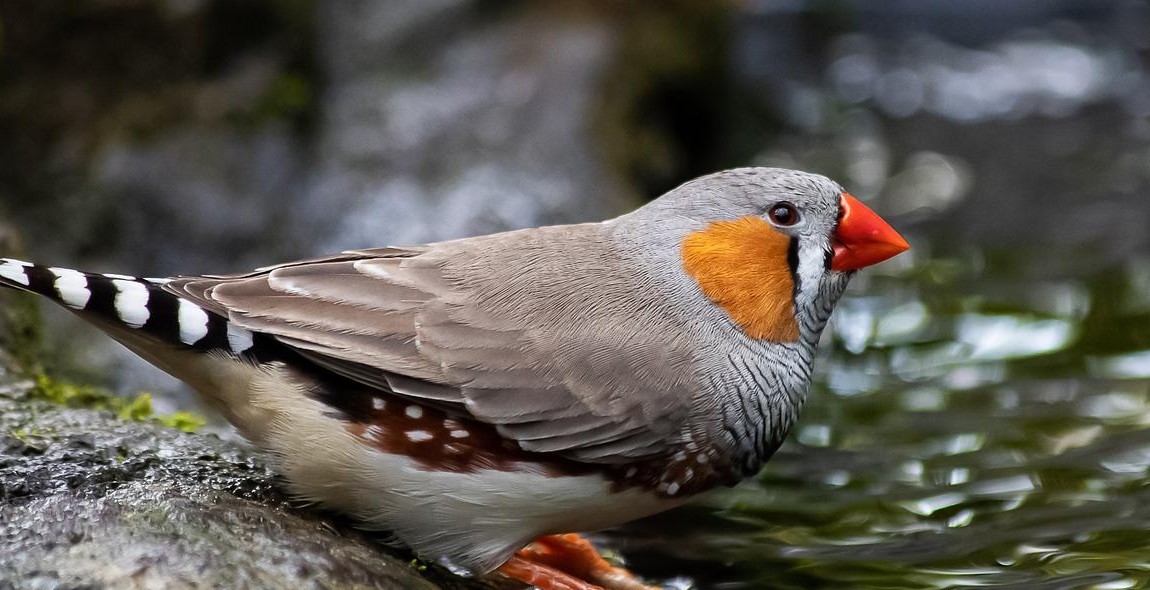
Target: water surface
<point>979,416</point>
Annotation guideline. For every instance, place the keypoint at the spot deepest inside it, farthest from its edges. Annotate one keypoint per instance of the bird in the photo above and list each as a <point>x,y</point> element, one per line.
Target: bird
<point>482,399</point>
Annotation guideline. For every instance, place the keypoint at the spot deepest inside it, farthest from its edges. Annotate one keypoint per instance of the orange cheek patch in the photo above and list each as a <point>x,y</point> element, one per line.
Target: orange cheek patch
<point>741,265</point>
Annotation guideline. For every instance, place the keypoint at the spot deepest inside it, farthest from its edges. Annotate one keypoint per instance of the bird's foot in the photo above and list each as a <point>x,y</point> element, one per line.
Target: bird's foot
<point>568,562</point>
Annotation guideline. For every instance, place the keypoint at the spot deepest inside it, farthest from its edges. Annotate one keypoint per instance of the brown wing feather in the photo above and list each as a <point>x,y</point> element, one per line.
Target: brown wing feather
<point>503,327</point>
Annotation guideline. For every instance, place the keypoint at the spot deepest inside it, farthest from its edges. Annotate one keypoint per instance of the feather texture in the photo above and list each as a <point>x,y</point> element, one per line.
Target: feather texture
<point>741,265</point>
<point>510,336</point>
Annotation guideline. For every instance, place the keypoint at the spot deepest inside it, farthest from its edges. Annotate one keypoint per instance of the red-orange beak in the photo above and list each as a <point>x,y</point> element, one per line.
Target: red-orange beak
<point>863,238</point>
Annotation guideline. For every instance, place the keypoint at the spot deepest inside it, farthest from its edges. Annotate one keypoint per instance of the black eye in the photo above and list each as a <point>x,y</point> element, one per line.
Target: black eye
<point>784,214</point>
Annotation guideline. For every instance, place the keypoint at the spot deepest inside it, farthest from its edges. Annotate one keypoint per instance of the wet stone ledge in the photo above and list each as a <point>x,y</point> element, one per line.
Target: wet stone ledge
<point>88,500</point>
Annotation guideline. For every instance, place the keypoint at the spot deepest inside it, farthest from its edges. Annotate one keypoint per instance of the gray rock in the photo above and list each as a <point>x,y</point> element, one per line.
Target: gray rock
<point>88,500</point>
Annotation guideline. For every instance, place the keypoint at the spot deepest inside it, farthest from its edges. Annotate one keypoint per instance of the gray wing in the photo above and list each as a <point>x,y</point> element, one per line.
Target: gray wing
<point>505,328</point>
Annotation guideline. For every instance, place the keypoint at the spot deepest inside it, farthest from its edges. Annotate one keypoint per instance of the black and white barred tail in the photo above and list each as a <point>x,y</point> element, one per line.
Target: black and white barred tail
<point>137,304</point>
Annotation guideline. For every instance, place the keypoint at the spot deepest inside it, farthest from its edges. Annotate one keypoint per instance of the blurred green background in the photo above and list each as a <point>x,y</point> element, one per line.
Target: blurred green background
<point>980,407</point>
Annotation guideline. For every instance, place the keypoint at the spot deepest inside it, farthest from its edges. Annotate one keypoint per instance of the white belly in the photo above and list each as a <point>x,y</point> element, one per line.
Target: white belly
<point>470,520</point>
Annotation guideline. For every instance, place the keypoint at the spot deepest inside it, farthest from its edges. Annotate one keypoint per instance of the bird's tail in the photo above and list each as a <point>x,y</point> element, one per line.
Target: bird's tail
<point>129,307</point>
<point>196,345</point>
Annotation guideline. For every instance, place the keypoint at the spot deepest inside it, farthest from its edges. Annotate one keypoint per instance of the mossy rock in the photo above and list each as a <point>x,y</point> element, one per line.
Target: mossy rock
<point>113,498</point>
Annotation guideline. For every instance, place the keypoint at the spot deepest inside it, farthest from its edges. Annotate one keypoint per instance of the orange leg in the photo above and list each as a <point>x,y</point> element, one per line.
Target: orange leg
<point>574,559</point>
<point>543,577</point>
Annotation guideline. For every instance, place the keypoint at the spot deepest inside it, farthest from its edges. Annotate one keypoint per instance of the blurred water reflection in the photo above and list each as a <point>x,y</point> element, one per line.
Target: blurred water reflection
<point>979,418</point>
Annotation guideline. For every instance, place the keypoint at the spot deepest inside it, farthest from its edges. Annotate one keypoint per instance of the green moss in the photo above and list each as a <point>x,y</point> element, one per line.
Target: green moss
<point>138,409</point>
<point>70,394</point>
<point>185,421</point>
<point>32,437</point>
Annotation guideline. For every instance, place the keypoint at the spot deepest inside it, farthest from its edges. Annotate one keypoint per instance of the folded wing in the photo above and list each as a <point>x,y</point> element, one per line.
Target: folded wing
<point>507,329</point>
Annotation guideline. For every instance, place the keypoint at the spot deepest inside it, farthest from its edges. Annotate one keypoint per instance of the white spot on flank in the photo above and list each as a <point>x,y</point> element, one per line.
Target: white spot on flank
<point>392,491</point>
<point>688,474</point>
<point>72,286</point>
<point>460,434</point>
<point>239,339</point>
<point>631,471</point>
<point>13,270</point>
<point>672,489</point>
<point>131,302</point>
<point>374,433</point>
<point>680,455</point>
<point>378,403</point>
<point>702,458</point>
<point>419,435</point>
<point>451,423</point>
<point>414,411</point>
<point>193,321</point>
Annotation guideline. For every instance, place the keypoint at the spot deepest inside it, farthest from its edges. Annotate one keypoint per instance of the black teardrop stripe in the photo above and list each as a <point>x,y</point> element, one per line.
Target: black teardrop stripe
<point>793,265</point>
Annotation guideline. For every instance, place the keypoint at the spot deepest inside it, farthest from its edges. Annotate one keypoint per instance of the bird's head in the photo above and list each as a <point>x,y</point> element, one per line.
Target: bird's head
<point>774,248</point>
